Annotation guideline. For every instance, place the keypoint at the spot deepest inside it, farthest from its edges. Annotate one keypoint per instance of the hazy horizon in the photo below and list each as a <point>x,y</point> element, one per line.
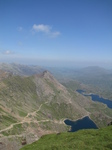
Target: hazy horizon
<point>59,66</point>
<point>75,33</point>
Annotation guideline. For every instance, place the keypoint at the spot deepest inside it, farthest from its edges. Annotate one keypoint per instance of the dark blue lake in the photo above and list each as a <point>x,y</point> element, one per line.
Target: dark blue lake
<point>97,98</point>
<point>84,123</point>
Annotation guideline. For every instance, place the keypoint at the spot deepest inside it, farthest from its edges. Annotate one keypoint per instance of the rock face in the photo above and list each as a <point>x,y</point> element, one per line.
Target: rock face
<point>109,124</point>
<point>24,142</point>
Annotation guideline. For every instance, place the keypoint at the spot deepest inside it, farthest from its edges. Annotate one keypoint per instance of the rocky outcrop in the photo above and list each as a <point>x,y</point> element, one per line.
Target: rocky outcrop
<point>110,123</point>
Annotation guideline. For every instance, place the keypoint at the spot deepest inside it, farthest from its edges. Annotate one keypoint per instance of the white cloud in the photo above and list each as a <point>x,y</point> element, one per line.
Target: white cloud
<point>41,28</point>
<point>45,29</point>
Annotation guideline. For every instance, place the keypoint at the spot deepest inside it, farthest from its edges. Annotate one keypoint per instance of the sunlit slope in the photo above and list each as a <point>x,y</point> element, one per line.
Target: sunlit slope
<point>37,105</point>
<point>80,140</point>
<point>42,97</point>
<point>38,99</point>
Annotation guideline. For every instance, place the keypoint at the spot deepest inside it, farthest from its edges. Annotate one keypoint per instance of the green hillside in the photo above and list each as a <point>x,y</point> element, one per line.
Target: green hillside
<point>32,106</point>
<point>100,139</point>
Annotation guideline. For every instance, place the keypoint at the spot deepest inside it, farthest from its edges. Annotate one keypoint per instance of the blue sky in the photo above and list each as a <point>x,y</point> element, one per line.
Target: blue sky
<point>56,32</point>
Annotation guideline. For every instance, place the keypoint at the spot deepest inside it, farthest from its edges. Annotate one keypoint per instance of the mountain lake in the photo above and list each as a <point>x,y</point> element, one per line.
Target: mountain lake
<point>97,98</point>
<point>84,123</point>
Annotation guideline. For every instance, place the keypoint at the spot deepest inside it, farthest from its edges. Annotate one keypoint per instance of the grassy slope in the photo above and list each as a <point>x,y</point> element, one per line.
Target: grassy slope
<point>22,95</point>
<point>17,97</point>
<point>82,140</point>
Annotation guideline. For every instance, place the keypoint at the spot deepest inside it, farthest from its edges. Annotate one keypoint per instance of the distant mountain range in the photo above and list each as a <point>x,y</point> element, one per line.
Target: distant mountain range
<point>94,70</point>
<point>22,70</point>
<point>92,79</point>
<point>34,103</point>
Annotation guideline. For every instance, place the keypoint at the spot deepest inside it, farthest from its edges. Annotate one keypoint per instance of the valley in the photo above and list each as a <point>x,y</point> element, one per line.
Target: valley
<point>92,79</point>
<point>35,104</point>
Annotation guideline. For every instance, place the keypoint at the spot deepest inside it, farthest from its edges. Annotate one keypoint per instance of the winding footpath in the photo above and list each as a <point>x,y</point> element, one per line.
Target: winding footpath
<point>28,120</point>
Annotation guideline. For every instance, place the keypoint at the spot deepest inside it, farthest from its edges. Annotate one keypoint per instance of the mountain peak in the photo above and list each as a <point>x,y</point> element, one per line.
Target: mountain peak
<point>47,74</point>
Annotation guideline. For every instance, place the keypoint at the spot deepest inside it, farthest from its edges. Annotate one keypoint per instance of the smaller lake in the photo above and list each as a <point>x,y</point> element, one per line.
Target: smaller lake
<point>97,98</point>
<point>84,123</point>
<point>102,100</point>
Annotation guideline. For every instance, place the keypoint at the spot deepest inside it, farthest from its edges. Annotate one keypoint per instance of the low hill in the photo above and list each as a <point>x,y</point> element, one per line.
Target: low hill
<point>80,140</point>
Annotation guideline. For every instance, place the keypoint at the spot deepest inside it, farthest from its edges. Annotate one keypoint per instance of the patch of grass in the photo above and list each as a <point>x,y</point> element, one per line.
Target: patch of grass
<point>6,120</point>
<point>100,139</point>
<point>22,113</point>
<point>57,111</point>
<point>16,130</point>
<point>9,119</point>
